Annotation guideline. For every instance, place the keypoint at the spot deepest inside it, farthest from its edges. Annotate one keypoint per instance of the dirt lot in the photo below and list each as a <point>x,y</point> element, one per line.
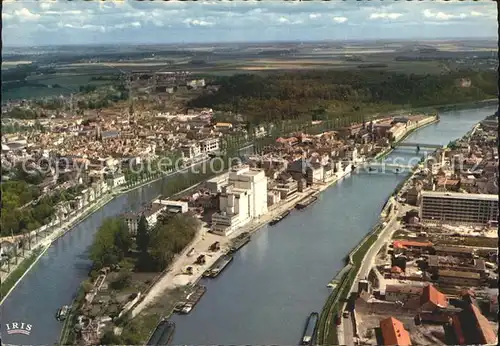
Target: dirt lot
<point>368,320</point>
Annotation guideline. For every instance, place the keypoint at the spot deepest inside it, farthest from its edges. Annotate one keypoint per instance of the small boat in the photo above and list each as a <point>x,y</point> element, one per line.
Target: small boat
<point>186,309</point>
<point>62,313</point>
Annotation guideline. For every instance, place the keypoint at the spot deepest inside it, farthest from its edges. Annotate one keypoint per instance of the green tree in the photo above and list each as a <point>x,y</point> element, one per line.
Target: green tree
<point>111,243</point>
<point>109,338</point>
<point>142,238</point>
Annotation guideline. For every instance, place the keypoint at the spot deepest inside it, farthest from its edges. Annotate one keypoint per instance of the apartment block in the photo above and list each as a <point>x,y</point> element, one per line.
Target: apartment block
<point>463,208</point>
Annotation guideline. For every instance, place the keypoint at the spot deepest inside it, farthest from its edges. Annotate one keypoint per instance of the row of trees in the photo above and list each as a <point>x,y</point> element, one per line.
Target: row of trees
<point>295,95</point>
<point>24,209</point>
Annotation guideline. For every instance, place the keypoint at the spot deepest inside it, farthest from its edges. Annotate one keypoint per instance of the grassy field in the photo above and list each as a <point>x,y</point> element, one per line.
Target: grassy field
<point>68,81</point>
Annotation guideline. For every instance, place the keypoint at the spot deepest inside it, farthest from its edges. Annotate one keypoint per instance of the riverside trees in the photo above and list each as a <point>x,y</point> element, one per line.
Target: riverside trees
<point>155,247</point>
<point>112,243</point>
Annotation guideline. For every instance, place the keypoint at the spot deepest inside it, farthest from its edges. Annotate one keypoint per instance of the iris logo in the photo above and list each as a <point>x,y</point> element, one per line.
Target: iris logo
<point>18,328</point>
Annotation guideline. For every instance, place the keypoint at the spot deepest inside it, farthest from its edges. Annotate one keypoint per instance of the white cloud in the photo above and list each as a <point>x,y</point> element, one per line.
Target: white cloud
<point>385,15</point>
<point>339,19</point>
<point>45,5</point>
<point>197,22</point>
<point>477,14</point>
<point>90,27</point>
<point>236,20</point>
<point>442,16</point>
<point>25,14</point>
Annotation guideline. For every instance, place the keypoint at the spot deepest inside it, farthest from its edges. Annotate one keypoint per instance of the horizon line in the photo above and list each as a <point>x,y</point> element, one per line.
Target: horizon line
<point>296,42</point>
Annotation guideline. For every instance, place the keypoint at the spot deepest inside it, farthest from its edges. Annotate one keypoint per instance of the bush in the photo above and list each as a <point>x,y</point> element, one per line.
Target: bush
<point>123,280</point>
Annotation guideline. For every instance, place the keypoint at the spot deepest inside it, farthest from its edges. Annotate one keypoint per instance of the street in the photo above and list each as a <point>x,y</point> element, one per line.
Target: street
<point>345,330</point>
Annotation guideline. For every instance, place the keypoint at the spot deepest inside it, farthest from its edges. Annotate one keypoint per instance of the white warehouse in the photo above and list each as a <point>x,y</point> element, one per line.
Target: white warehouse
<point>242,199</point>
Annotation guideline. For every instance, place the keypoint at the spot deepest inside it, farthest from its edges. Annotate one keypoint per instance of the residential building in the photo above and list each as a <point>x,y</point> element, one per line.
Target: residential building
<point>151,214</point>
<point>431,299</point>
<point>190,150</point>
<point>209,145</point>
<point>394,332</point>
<point>462,208</point>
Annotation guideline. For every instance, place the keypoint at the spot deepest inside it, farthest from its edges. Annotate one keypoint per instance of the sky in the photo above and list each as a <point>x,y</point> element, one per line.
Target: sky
<point>45,22</point>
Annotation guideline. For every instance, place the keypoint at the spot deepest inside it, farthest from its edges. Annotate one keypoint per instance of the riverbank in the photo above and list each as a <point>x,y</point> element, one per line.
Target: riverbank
<point>22,268</point>
<point>391,148</point>
<point>358,264</point>
<point>174,278</point>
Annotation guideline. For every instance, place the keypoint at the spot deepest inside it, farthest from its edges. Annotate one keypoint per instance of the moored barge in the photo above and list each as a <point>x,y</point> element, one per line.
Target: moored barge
<point>310,329</point>
<point>239,242</point>
<point>163,334</point>
<point>279,218</point>
<point>192,299</point>
<point>306,203</point>
<point>218,266</point>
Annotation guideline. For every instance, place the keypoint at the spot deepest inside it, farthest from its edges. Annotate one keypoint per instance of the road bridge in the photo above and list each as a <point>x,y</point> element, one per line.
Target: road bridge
<point>420,145</point>
<point>382,165</point>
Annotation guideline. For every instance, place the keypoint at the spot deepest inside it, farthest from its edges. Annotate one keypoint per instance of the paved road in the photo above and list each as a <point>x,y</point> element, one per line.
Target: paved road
<point>346,330</point>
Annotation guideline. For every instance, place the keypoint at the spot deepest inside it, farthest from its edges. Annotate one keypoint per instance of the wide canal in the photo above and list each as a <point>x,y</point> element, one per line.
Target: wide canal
<point>274,282</point>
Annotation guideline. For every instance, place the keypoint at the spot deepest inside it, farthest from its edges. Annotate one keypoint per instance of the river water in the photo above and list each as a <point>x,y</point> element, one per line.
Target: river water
<point>273,283</point>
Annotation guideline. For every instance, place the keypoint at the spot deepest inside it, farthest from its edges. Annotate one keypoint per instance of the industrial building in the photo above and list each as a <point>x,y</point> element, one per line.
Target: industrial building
<point>463,208</point>
<point>243,197</point>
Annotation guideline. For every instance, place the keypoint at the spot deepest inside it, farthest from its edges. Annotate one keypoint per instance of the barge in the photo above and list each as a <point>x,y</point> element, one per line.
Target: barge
<point>191,300</point>
<point>218,266</point>
<point>310,329</point>
<point>239,242</point>
<point>62,313</point>
<point>306,203</point>
<point>163,333</point>
<point>279,218</point>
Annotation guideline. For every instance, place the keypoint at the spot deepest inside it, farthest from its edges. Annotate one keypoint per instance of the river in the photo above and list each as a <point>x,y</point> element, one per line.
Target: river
<point>272,285</point>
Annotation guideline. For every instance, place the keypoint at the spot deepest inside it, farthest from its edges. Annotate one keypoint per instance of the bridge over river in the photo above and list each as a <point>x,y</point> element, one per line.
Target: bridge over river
<point>420,145</point>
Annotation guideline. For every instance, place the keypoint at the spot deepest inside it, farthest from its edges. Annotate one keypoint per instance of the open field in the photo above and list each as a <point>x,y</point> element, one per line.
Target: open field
<point>14,63</point>
<point>75,66</point>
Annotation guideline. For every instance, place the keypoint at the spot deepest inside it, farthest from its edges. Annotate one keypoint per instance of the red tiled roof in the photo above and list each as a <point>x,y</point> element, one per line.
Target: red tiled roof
<point>488,335</point>
<point>394,333</point>
<point>457,327</point>
<point>431,294</point>
<point>396,269</point>
<point>406,243</point>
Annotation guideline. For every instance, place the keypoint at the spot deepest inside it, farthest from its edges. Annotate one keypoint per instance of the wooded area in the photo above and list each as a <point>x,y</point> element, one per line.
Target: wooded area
<point>321,94</point>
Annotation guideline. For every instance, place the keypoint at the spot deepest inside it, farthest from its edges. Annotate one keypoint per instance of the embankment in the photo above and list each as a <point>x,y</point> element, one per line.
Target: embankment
<point>409,131</point>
